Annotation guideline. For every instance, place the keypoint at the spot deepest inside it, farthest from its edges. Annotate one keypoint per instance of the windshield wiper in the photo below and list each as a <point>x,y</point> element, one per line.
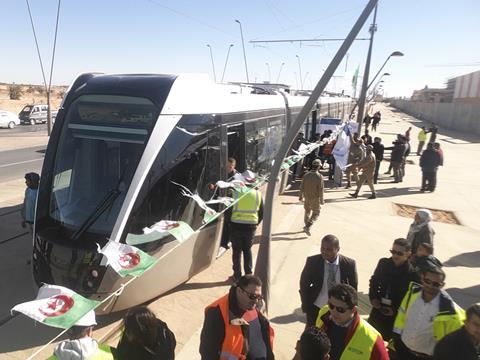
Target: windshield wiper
<point>96,213</point>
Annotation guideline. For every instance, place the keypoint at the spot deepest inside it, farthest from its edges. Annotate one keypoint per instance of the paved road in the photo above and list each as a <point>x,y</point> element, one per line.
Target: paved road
<point>22,129</point>
<point>15,163</point>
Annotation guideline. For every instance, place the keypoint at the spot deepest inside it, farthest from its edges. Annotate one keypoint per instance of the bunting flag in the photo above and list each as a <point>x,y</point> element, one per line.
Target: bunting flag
<point>178,229</point>
<point>127,260</point>
<point>57,306</point>
<point>210,213</point>
<point>341,148</point>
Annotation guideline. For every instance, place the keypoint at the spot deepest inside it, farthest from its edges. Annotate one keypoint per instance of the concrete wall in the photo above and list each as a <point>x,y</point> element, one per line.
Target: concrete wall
<point>455,116</point>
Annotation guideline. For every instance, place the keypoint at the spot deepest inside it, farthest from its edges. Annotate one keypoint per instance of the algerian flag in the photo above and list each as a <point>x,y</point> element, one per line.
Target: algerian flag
<point>178,229</point>
<point>57,306</point>
<point>127,260</point>
<point>355,78</point>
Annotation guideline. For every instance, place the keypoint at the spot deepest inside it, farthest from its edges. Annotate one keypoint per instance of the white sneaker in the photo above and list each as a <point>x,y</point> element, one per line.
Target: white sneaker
<point>221,251</point>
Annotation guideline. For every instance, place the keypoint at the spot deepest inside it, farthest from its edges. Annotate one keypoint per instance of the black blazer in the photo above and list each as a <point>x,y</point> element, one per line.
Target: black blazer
<point>311,280</point>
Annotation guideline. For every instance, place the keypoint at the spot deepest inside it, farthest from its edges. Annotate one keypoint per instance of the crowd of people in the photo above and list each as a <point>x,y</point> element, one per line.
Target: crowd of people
<point>411,317</point>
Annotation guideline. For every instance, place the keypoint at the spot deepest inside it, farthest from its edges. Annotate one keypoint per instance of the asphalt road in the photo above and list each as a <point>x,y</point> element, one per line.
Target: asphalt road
<point>14,164</point>
<point>23,129</point>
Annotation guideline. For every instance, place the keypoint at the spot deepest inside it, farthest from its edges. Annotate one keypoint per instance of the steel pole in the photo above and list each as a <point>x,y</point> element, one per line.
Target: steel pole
<point>243,46</point>
<point>213,64</point>
<point>300,72</point>
<point>226,60</point>
<point>280,71</point>
<point>262,266</point>
<point>363,92</point>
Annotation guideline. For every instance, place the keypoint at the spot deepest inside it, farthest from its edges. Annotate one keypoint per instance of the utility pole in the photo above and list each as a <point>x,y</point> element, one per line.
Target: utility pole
<point>262,266</point>
<point>363,92</point>
<point>243,46</point>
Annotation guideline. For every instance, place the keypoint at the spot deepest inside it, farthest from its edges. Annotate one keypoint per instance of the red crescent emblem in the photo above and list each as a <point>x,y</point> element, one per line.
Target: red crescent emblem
<point>170,226</point>
<point>56,305</point>
<point>129,260</point>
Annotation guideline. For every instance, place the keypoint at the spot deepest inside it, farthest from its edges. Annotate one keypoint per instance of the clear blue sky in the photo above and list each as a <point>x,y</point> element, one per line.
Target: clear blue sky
<point>167,36</point>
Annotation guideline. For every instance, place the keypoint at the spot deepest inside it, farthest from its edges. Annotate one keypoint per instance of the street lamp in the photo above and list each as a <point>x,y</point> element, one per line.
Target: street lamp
<point>213,64</point>
<point>243,45</point>
<point>269,75</point>
<point>226,60</point>
<point>279,72</point>
<point>395,53</point>
<point>300,71</point>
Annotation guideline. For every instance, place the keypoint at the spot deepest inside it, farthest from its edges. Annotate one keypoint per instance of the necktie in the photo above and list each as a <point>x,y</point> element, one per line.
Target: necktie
<point>331,275</point>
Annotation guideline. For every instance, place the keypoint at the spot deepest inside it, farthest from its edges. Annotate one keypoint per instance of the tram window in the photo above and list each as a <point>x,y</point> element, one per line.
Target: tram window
<point>95,158</point>
<point>255,138</point>
<point>194,165</point>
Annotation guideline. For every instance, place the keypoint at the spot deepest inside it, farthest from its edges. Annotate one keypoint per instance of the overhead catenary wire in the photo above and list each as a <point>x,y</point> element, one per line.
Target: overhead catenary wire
<point>36,44</point>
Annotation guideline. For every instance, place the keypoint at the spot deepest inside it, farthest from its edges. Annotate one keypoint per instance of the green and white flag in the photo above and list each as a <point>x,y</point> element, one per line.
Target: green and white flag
<point>57,306</point>
<point>178,229</point>
<point>127,260</point>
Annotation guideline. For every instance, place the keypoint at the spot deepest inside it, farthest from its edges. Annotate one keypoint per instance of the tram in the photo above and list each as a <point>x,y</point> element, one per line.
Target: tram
<point>119,145</point>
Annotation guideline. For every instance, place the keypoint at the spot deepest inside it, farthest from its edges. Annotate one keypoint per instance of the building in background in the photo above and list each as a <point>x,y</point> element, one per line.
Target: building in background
<point>466,88</point>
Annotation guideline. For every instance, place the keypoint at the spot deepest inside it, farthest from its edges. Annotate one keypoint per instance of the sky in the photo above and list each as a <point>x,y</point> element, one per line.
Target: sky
<point>439,39</point>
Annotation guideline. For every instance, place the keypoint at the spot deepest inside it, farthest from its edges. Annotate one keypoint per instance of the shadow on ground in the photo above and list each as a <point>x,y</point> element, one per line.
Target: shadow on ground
<point>470,259</point>
<point>466,296</point>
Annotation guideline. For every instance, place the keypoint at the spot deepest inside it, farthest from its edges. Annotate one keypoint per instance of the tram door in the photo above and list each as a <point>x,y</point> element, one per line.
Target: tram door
<point>236,145</point>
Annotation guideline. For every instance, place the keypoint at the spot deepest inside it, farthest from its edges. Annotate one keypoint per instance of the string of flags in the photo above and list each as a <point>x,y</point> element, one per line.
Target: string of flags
<point>60,307</point>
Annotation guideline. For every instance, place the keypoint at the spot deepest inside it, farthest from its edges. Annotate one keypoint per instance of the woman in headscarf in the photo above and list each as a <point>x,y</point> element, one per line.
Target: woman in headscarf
<point>421,230</point>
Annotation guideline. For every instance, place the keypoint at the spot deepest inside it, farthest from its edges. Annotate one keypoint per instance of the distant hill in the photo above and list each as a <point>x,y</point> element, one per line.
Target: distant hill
<point>30,94</point>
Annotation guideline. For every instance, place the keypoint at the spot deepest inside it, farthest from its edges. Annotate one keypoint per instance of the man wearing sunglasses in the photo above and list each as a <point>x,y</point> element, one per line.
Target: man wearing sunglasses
<point>388,285</point>
<point>427,313</point>
<point>234,328</point>
<point>323,271</point>
<point>351,337</point>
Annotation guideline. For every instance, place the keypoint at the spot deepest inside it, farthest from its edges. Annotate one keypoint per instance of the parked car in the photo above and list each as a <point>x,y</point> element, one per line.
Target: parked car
<point>8,119</point>
<point>35,114</point>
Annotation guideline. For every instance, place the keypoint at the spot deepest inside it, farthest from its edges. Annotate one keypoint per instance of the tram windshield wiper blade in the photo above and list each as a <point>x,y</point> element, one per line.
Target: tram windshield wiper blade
<point>96,213</point>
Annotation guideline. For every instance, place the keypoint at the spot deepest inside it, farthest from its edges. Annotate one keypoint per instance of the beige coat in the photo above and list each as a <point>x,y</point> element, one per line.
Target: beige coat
<point>311,188</point>
<point>367,165</point>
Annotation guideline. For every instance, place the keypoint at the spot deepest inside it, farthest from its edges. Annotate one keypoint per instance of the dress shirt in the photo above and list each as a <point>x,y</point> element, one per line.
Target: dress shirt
<point>322,298</point>
<point>418,332</point>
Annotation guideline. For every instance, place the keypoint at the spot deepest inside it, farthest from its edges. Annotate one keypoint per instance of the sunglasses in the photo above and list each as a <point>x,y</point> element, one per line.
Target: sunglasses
<point>252,296</point>
<point>432,283</point>
<point>395,252</point>
<point>338,309</point>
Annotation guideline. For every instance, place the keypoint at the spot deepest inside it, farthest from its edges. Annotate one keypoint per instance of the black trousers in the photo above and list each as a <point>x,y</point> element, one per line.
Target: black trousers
<point>377,168</point>
<point>227,215</point>
<point>404,353</point>
<point>312,314</point>
<point>241,237</point>
<point>429,180</point>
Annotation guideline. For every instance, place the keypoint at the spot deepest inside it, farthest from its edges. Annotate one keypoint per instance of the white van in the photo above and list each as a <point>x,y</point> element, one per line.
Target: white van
<point>35,114</point>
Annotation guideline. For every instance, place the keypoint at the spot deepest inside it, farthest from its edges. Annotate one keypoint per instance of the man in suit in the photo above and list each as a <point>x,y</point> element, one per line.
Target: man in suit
<point>322,272</point>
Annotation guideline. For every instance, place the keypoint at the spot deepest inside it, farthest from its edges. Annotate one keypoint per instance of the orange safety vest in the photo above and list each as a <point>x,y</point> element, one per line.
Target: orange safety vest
<point>232,346</point>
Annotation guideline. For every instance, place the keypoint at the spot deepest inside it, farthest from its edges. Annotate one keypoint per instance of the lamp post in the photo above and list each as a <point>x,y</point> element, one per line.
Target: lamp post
<point>213,64</point>
<point>305,78</point>
<point>395,53</point>
<point>300,71</point>
<point>269,75</point>
<point>226,60</point>
<point>243,46</point>
<point>280,71</point>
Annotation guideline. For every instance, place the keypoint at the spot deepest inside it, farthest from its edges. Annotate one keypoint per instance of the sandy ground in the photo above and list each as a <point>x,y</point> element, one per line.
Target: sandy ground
<point>30,95</point>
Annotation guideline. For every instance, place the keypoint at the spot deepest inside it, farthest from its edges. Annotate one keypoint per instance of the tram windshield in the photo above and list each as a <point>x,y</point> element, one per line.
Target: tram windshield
<point>102,140</point>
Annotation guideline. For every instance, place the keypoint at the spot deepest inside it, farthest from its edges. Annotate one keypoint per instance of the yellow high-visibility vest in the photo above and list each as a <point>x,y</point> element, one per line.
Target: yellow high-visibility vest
<point>450,316</point>
<point>245,211</point>
<point>362,342</point>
